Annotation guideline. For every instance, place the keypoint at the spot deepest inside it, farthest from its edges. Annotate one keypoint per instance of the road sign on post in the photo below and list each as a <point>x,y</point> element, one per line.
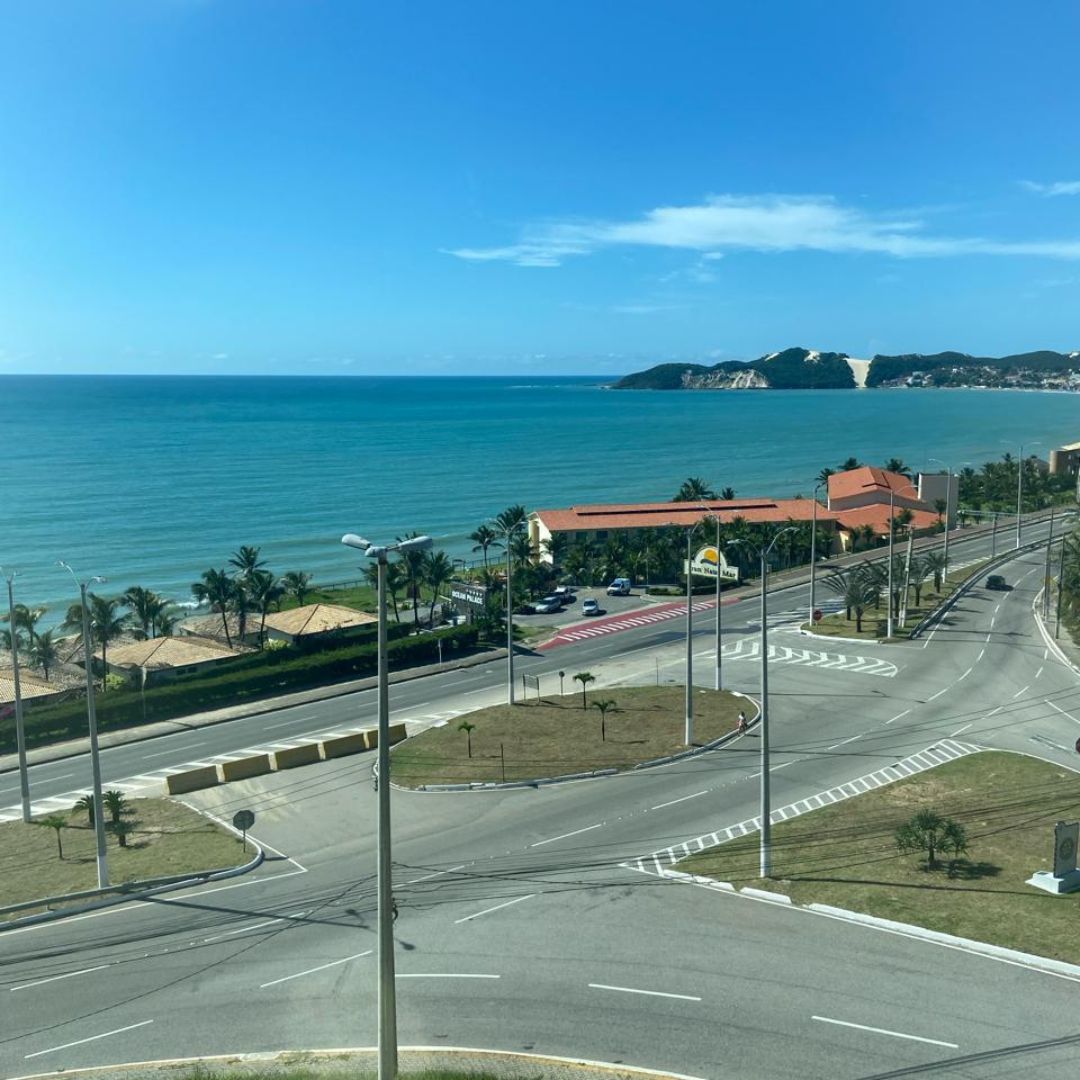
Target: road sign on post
<point>243,820</point>
<point>817,615</point>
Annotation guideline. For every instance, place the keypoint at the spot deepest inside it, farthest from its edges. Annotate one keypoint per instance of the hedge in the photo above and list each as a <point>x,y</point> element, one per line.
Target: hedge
<point>250,678</point>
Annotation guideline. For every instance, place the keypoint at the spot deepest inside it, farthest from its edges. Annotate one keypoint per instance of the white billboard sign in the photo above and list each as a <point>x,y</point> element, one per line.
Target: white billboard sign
<point>708,562</point>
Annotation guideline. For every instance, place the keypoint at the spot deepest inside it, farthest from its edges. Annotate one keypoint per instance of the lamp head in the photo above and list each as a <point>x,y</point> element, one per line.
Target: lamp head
<point>414,543</point>
<point>354,541</point>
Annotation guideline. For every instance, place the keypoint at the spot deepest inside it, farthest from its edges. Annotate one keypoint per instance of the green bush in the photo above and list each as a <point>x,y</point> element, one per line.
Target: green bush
<point>248,678</point>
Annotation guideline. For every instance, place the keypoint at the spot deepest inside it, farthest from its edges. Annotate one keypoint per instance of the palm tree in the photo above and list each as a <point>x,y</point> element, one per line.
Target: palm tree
<point>393,582</point>
<point>918,572</point>
<point>104,622</point>
<point>468,729</point>
<point>218,590</point>
<point>727,494</point>
<point>603,706</point>
<point>869,536</point>
<point>57,822</point>
<point>485,537</point>
<point>86,803</point>
<point>848,464</point>
<point>896,465</point>
<point>584,677</point>
<point>935,564</point>
<point>264,589</point>
<point>694,489</point>
<point>513,517</point>
<point>165,621</point>
<point>438,570</point>
<point>145,606</point>
<point>297,583</point>
<point>26,619</point>
<point>9,640</point>
<point>556,546</point>
<point>246,560</point>
<point>857,589</point>
<point>578,562</point>
<point>823,476</point>
<point>115,803</point>
<point>44,653</point>
<point>411,563</point>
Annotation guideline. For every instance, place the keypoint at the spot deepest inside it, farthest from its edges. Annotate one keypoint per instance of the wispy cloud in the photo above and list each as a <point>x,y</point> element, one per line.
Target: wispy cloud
<point>645,309</point>
<point>762,223</point>
<point>1057,187</point>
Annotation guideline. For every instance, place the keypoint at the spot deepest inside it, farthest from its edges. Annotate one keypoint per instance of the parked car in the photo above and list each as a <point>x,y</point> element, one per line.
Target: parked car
<point>996,581</point>
<point>619,587</point>
<point>590,607</point>
<point>548,606</point>
<point>565,594</point>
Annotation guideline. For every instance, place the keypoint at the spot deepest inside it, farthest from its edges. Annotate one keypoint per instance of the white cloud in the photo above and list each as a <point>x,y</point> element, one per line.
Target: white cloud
<point>644,309</point>
<point>1058,187</point>
<point>762,223</point>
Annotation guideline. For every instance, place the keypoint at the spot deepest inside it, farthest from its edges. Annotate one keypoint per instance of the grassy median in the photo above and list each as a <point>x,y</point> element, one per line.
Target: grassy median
<point>166,839</point>
<point>562,735</point>
<point>845,854</point>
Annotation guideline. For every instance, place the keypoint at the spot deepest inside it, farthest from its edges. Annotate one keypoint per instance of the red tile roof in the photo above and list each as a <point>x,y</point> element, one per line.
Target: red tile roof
<point>868,478</point>
<point>877,516</point>
<point>657,515</point>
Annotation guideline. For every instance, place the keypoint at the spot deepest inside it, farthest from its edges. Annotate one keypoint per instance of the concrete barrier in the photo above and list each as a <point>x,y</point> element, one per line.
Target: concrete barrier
<point>192,780</point>
<point>371,739</point>
<point>243,768</point>
<point>345,744</point>
<point>297,755</point>
<point>397,733</point>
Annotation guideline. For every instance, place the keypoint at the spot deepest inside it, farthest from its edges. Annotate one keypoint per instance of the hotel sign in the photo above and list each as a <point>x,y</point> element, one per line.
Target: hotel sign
<point>473,595</point>
<point>709,562</point>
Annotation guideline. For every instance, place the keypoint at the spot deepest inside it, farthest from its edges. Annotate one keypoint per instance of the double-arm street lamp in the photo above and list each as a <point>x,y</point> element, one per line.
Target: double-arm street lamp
<point>763,552</point>
<point>892,534</point>
<point>91,714</point>
<point>507,535</point>
<point>387,1003</point>
<point>20,733</point>
<point>948,508</point>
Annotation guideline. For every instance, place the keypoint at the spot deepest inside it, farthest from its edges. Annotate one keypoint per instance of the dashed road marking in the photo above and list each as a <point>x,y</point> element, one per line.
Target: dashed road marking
<point>885,1031</point>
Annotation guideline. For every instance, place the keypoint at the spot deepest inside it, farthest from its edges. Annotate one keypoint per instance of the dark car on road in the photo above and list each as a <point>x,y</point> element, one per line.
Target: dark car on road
<point>996,581</point>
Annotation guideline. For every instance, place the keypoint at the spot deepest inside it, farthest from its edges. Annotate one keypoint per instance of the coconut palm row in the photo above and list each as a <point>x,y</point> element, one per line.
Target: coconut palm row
<point>866,585</point>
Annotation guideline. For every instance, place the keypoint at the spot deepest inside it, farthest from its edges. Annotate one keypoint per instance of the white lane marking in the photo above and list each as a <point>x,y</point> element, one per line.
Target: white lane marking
<point>649,993</point>
<point>438,873</point>
<point>442,975</point>
<point>1046,654</point>
<point>65,776</point>
<point>992,620</point>
<point>840,743</point>
<point>482,690</point>
<point>898,715</point>
<point>55,978</point>
<point>254,926</point>
<point>284,723</point>
<point>1038,673</point>
<point>92,1038</point>
<point>1063,712</point>
<point>497,907</point>
<point>982,653</point>
<point>567,835</point>
<point>938,694</point>
<point>1019,692</point>
<point>660,806</point>
<point>885,1031</point>
<point>311,971</point>
<point>958,731</point>
<point>964,676</point>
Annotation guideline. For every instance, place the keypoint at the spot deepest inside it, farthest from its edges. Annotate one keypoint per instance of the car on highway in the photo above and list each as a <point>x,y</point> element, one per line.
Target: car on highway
<point>996,581</point>
<point>590,607</point>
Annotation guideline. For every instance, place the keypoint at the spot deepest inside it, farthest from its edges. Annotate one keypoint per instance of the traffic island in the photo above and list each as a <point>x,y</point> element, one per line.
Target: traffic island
<point>846,855</point>
<point>614,728</point>
<point>56,855</point>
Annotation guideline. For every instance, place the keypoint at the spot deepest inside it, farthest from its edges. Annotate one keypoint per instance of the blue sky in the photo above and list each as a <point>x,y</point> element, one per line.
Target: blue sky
<point>333,187</point>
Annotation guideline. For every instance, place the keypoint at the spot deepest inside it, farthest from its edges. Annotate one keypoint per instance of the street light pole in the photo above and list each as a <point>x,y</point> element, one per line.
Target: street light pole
<point>91,715</point>
<point>387,997</point>
<point>718,681</point>
<point>689,727</point>
<point>1019,495</point>
<point>20,733</point>
<point>892,530</point>
<point>813,557</point>
<point>507,534</point>
<point>948,507</point>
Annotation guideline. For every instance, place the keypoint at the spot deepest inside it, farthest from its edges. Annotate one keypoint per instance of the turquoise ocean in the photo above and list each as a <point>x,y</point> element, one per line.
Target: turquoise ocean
<point>151,480</point>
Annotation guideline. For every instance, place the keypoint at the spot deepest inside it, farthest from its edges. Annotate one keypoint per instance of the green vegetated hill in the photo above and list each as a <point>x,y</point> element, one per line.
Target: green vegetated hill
<point>791,369</point>
<point>961,369</point>
<point>806,369</point>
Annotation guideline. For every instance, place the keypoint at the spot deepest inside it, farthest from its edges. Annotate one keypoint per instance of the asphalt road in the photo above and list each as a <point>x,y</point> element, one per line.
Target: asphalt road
<point>527,921</point>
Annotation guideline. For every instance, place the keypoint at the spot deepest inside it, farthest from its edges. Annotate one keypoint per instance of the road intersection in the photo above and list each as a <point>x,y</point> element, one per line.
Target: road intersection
<point>525,923</point>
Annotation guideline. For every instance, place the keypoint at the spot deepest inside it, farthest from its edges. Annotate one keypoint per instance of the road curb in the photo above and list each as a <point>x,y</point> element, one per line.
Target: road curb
<point>547,781</point>
<point>1051,644</point>
<point>511,1064</point>
<point>848,640</point>
<point>1058,968</point>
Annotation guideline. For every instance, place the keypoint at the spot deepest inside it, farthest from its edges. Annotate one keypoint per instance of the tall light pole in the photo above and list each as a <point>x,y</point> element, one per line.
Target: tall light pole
<point>892,531</point>
<point>765,852</point>
<point>387,1001</point>
<point>91,715</point>
<point>688,731</point>
<point>813,553</point>
<point>507,534</point>
<point>718,682</point>
<point>948,508</point>
<point>1019,494</point>
<point>20,733</point>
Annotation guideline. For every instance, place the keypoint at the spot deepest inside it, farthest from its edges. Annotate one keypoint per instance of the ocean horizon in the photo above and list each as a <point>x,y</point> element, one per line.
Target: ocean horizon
<point>151,479</point>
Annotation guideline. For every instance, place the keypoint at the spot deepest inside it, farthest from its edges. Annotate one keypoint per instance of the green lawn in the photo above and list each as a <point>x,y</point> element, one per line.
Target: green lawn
<point>168,839</point>
<point>845,854</point>
<point>559,736</point>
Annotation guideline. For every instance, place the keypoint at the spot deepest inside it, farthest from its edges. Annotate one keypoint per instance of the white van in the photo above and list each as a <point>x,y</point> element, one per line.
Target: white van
<point>619,587</point>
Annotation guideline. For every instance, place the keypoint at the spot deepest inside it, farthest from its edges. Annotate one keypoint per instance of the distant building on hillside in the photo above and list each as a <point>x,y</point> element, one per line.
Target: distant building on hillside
<point>1065,459</point>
